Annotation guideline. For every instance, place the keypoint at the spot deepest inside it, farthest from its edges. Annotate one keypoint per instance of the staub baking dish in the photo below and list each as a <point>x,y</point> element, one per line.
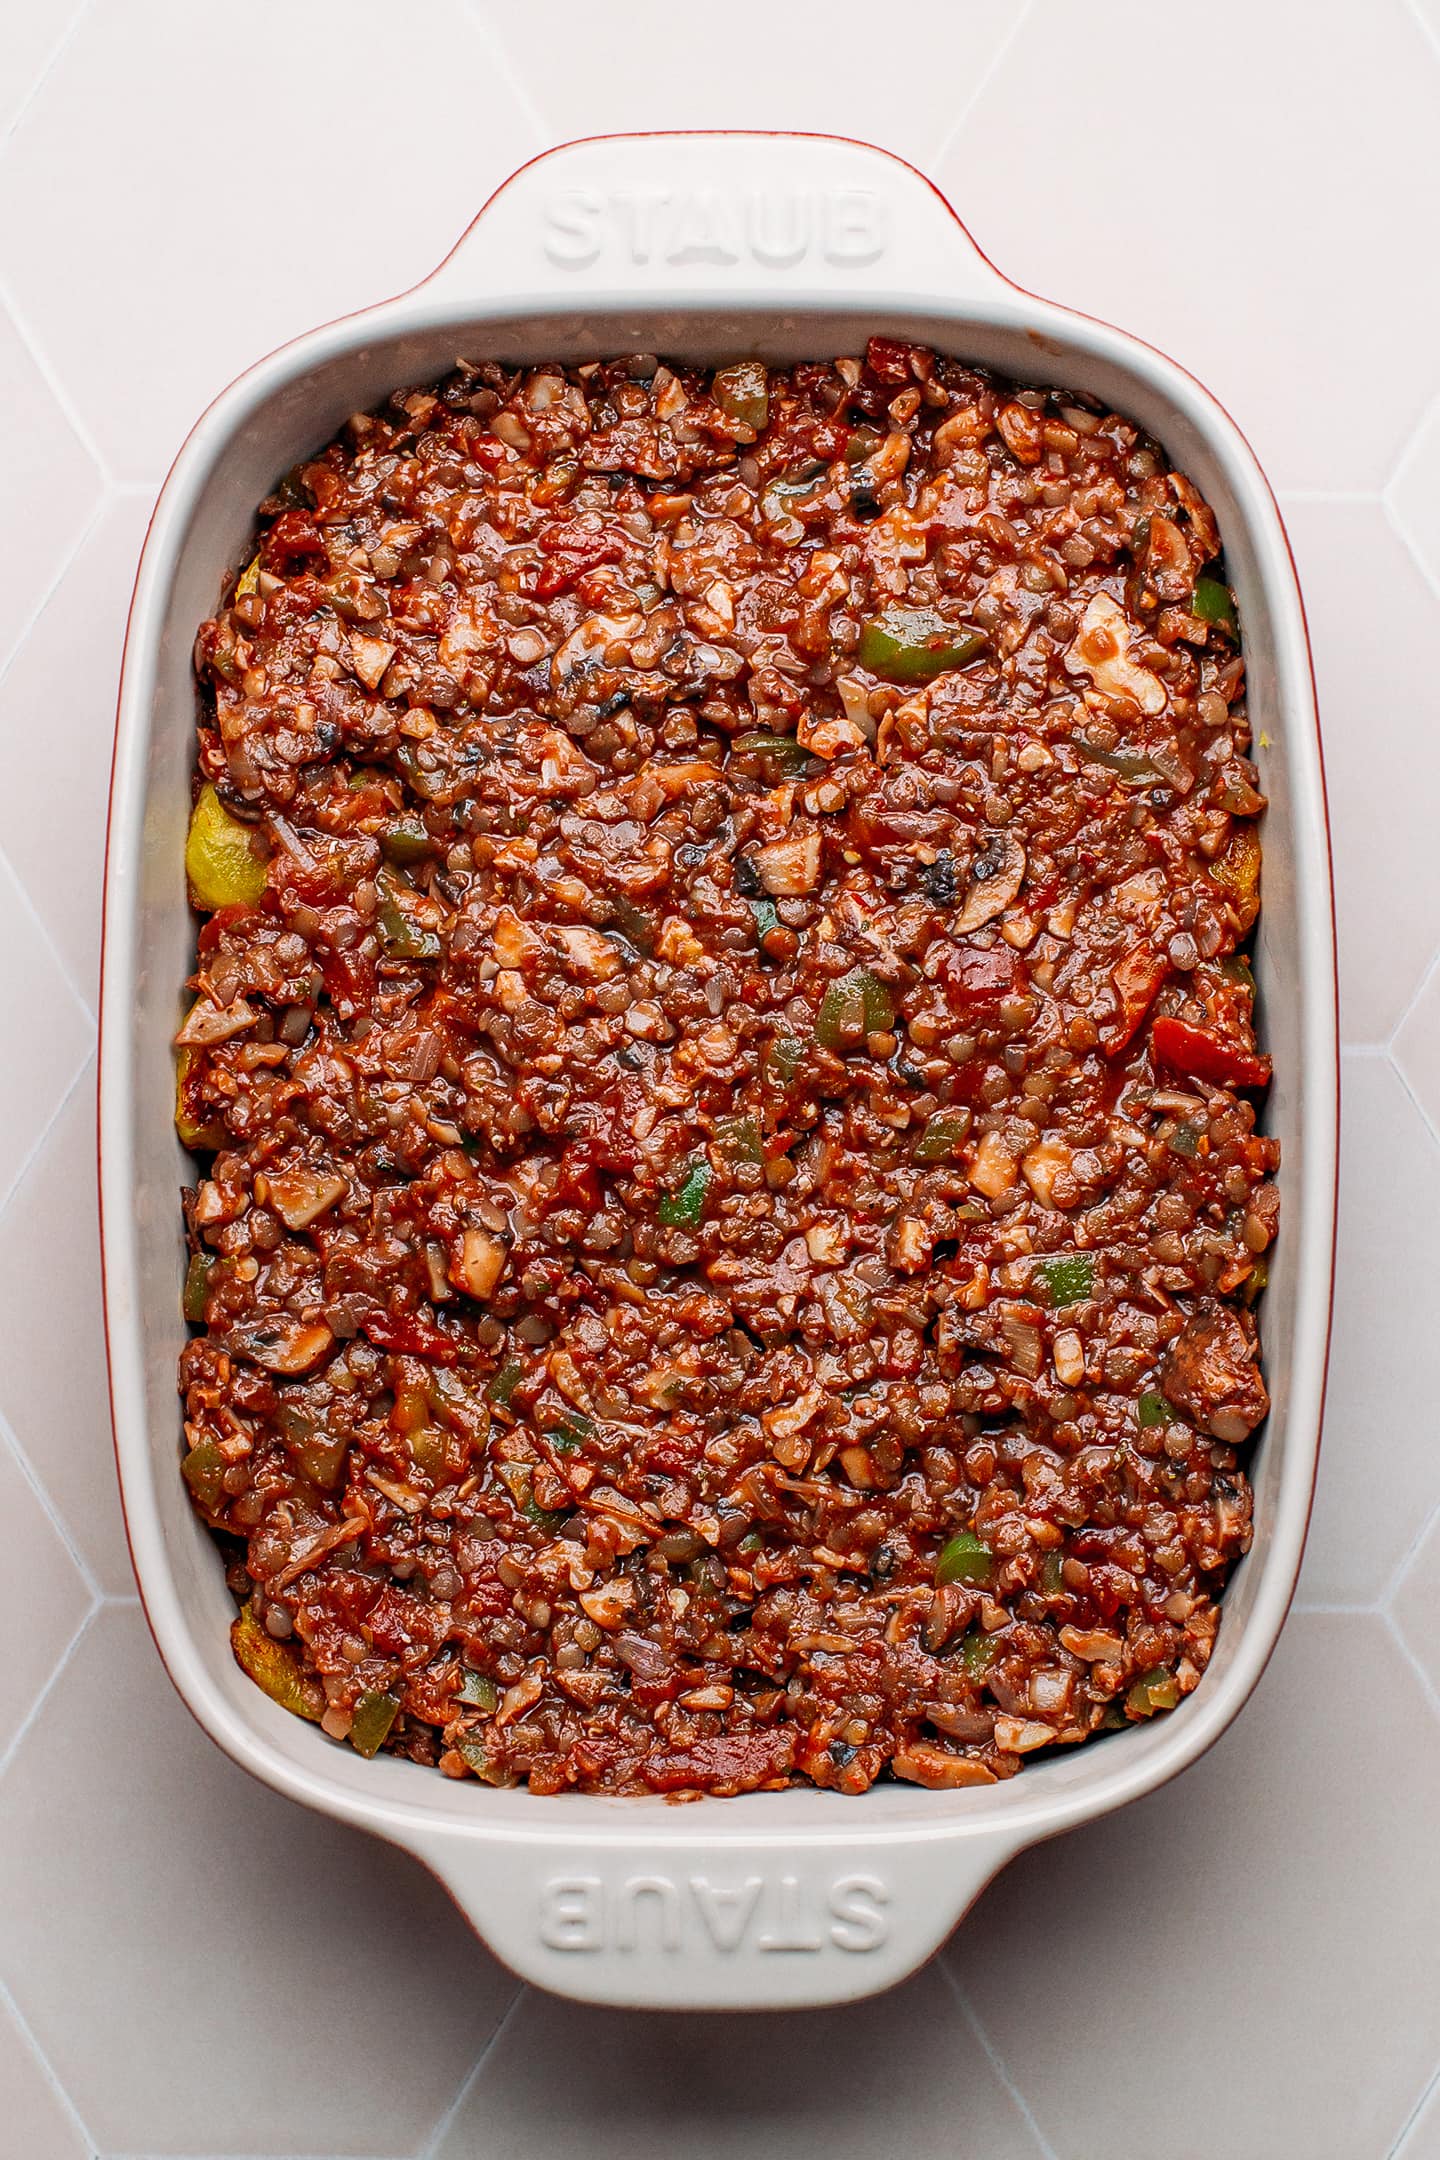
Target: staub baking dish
<point>707,248</point>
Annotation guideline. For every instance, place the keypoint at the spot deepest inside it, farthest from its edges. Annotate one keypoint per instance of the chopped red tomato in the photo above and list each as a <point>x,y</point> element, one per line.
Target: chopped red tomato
<point>1207,1056</point>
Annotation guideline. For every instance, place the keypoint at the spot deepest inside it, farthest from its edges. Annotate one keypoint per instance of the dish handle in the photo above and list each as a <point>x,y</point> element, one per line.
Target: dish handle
<point>723,1922</point>
<point>717,218</point>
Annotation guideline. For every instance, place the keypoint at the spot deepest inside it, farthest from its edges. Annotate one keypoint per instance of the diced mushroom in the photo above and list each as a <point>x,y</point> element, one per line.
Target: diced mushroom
<point>995,878</point>
<point>206,1023</point>
<point>300,1197</point>
<point>283,1345</point>
<point>479,1263</point>
<point>1069,1356</point>
<point>598,637</point>
<point>830,737</point>
<point>1020,1736</point>
<point>791,865</point>
<point>609,1602</point>
<point>1211,1372</point>
<point>1047,1171</point>
<point>793,1417</point>
<point>1094,1646</point>
<point>1102,651</point>
<point>924,1764</point>
<point>993,1170</point>
<point>588,952</point>
<point>369,658</point>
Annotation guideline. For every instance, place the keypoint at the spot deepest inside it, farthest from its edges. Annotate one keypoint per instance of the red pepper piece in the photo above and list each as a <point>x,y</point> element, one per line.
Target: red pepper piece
<point>1205,1056</point>
<point>888,360</point>
<point>407,1333</point>
<point>1137,977</point>
<point>571,556</point>
<point>293,536</point>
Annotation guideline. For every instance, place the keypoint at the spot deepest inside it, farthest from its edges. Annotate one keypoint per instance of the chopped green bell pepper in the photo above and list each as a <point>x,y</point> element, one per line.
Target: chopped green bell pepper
<point>767,918</point>
<point>742,391</point>
<point>682,1207</point>
<point>1211,602</point>
<point>943,1135</point>
<point>1068,1277</point>
<point>197,1285</point>
<point>406,841</point>
<point>477,1689</point>
<point>373,1718</point>
<point>271,1665</point>
<point>965,1559</point>
<point>978,1652</point>
<point>1154,1691</point>
<point>778,756</point>
<point>502,1384</point>
<point>914,645</point>
<point>740,1138</point>
<point>204,1472</point>
<point>1152,1409</point>
<point>857,1005</point>
<point>400,934</point>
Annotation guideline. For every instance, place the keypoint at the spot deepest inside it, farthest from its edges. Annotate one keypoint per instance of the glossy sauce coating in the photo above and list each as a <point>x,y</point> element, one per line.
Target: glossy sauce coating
<point>721,1044</point>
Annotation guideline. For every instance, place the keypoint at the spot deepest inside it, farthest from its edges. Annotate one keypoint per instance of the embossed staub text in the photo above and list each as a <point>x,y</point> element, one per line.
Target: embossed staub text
<point>773,228</point>
<point>766,1913</point>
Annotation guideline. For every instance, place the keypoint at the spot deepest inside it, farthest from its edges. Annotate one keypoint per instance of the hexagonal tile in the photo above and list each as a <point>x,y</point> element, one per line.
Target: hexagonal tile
<point>32,1087</point>
<point>1413,495</point>
<point>57,709</point>
<point>907,109</point>
<point>224,227</point>
<point>59,1406</point>
<point>254,1979</point>
<point>45,1591</point>
<point>1379,722</point>
<point>38,2120</point>
<point>47,469</point>
<point>813,2083</point>
<point>1326,116</point>
<point>1415,1608</point>
<point>1384,1354</point>
<point>1184,1977</point>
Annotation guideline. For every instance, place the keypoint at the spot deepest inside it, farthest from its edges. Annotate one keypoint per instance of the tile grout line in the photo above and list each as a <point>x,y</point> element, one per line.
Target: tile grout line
<point>1396,523</point>
<point>1431,38</point>
<point>1426,1684</point>
<point>1395,1582</point>
<point>37,1146</point>
<point>437,2136</point>
<point>46,69</point>
<point>545,137</point>
<point>61,395</point>
<point>50,945</point>
<point>1420,1110</point>
<point>71,557</point>
<point>10,1443</point>
<point>987,75</point>
<point>45,2066</point>
<point>1427,974</point>
<point>1397,2150</point>
<point>46,1692</point>
<point>995,2059</point>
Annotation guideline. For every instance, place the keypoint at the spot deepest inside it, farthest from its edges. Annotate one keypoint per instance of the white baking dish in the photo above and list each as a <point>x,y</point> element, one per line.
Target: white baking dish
<point>706,247</point>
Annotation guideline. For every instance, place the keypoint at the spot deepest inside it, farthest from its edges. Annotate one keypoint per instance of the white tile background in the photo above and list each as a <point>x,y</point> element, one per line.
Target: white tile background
<point>1246,1964</point>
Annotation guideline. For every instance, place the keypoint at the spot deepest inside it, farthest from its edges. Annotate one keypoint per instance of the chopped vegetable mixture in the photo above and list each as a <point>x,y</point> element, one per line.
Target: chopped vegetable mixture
<point>724,1078</point>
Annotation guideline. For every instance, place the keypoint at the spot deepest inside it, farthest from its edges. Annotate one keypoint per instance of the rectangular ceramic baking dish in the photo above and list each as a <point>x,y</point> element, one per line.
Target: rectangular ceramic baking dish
<point>705,248</point>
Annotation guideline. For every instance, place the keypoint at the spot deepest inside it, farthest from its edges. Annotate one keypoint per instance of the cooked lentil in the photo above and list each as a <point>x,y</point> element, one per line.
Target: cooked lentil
<point>719,1032</point>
